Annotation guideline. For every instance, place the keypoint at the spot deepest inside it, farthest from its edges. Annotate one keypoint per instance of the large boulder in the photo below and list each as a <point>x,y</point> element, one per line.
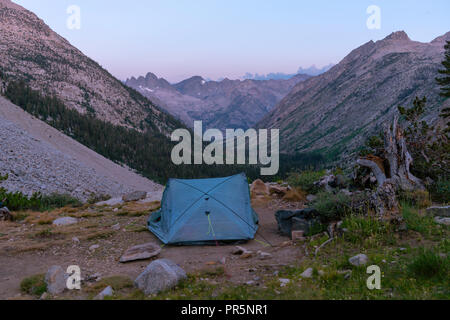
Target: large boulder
<point>107,292</point>
<point>443,211</point>
<point>5,215</point>
<point>259,188</point>
<point>65,221</point>
<point>141,252</point>
<point>359,260</point>
<point>135,196</point>
<point>327,182</point>
<point>160,275</point>
<point>55,278</point>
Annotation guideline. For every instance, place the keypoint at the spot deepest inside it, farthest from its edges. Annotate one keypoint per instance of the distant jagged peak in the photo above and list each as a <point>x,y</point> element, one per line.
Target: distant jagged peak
<point>398,36</point>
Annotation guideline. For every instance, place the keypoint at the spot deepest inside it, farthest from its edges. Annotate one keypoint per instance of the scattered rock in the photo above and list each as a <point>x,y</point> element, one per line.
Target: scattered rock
<point>347,192</point>
<point>65,221</point>
<point>442,220</point>
<point>107,292</point>
<point>111,202</point>
<point>5,215</point>
<point>246,255</point>
<point>284,282</point>
<point>321,273</point>
<point>55,279</point>
<point>443,211</point>
<point>94,277</point>
<point>263,255</point>
<point>311,197</point>
<point>307,273</point>
<point>326,182</point>
<point>76,240</point>
<point>116,226</point>
<point>94,247</point>
<point>347,273</point>
<point>43,296</point>
<point>141,252</point>
<point>160,275</point>
<point>259,188</point>
<point>359,260</point>
<point>135,196</point>
<point>238,250</point>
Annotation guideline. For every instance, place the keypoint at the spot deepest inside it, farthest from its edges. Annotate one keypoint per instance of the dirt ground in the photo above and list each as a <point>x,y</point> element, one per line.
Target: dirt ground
<point>31,246</point>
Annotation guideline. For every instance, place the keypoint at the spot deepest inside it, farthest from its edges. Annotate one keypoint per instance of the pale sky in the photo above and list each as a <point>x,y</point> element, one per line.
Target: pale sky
<point>176,39</point>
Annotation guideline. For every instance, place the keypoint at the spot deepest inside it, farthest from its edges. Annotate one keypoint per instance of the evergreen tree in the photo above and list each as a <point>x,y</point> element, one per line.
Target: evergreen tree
<point>444,81</point>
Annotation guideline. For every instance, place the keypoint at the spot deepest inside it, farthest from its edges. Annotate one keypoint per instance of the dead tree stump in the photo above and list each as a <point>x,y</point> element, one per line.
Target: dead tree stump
<point>396,176</point>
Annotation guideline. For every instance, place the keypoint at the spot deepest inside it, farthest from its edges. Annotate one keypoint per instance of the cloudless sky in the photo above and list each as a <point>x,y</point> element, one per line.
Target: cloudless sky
<point>176,39</point>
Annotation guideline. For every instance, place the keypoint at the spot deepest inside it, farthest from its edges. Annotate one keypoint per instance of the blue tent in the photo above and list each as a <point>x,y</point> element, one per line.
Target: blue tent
<point>205,210</point>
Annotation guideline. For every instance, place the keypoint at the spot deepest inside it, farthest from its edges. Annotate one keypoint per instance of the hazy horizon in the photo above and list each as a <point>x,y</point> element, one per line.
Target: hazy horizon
<point>217,39</point>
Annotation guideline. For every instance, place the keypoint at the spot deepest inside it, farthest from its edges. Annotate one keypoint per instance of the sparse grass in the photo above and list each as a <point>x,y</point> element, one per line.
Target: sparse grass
<point>47,233</point>
<point>305,180</point>
<point>421,223</point>
<point>419,198</point>
<point>295,195</point>
<point>20,215</point>
<point>367,231</point>
<point>428,264</point>
<point>118,283</point>
<point>34,285</point>
<point>136,228</point>
<point>99,235</point>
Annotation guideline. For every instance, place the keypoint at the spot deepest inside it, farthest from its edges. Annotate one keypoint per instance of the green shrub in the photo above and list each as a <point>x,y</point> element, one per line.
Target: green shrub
<point>34,285</point>
<point>440,190</point>
<point>17,201</point>
<point>429,264</point>
<point>94,198</point>
<point>56,200</point>
<point>305,180</point>
<point>332,206</point>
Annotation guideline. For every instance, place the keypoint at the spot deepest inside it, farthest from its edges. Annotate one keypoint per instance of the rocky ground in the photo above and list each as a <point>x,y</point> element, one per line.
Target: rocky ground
<point>272,266</point>
<point>103,233</point>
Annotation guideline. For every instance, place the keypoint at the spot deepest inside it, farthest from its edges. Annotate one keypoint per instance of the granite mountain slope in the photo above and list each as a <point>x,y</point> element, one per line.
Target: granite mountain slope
<point>336,111</point>
<point>32,52</point>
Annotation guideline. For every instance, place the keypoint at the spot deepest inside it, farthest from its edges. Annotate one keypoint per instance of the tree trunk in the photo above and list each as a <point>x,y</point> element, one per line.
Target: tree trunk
<point>398,176</point>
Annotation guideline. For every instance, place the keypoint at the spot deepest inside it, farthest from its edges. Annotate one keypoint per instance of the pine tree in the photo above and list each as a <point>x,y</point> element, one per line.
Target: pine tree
<point>444,81</point>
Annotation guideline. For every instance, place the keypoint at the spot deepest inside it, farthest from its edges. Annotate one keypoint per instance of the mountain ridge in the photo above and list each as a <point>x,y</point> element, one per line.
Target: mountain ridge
<point>219,104</point>
<point>336,111</point>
